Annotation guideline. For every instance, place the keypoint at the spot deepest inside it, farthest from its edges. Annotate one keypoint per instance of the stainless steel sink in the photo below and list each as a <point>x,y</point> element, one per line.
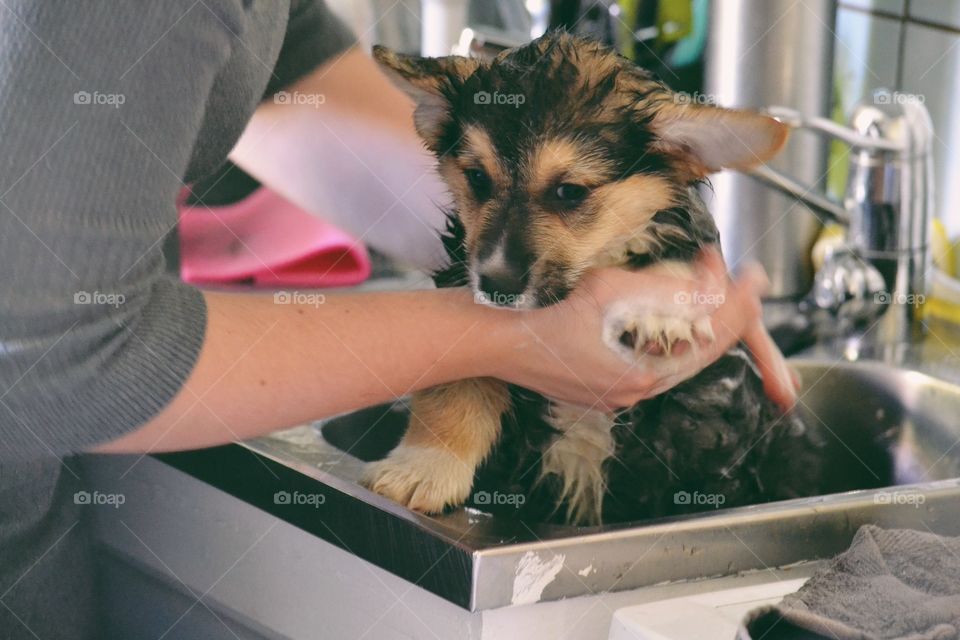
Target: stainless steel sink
<point>898,430</point>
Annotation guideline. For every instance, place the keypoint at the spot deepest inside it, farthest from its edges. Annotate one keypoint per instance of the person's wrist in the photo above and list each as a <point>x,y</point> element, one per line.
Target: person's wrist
<point>495,339</point>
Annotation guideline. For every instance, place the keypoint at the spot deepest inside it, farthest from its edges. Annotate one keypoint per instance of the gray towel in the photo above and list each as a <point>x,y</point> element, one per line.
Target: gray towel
<point>889,585</point>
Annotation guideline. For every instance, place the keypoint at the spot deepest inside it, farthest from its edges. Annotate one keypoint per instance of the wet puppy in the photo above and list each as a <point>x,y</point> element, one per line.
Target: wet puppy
<point>562,156</point>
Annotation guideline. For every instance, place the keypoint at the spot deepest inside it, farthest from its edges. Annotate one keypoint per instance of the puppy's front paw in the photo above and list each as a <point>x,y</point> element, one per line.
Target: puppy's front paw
<point>424,479</point>
<point>641,332</point>
<point>661,335</point>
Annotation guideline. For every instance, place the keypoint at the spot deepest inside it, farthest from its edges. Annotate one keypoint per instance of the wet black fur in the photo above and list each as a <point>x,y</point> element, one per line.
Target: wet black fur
<point>550,104</point>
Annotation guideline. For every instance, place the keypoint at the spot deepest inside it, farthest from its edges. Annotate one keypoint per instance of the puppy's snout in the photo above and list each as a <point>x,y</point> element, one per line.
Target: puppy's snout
<point>502,268</point>
<point>503,283</point>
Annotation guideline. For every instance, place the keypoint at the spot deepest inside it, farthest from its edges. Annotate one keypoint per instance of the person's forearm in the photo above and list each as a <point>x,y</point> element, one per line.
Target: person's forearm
<point>342,146</point>
<point>265,366</point>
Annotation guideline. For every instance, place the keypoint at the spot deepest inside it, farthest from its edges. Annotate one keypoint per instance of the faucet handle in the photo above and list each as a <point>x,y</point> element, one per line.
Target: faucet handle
<point>848,288</point>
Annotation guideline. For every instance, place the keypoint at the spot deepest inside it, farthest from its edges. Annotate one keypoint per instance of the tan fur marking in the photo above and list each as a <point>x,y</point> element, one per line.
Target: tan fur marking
<point>478,152</point>
<point>462,416</point>
<point>565,161</point>
<point>478,149</point>
<point>452,429</point>
<point>626,208</point>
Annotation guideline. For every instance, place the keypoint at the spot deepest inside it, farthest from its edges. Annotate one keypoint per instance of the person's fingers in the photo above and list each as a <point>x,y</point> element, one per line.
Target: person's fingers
<point>711,263</point>
<point>712,276</point>
<point>779,383</point>
<point>659,287</point>
<point>740,309</point>
<point>739,317</point>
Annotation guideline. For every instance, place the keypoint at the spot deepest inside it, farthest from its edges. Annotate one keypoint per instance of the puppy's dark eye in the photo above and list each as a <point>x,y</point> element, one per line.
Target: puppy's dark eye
<point>479,182</point>
<point>569,195</point>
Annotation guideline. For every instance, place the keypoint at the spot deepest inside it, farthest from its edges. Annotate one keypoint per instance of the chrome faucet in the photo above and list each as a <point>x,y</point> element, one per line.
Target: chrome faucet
<point>869,290</point>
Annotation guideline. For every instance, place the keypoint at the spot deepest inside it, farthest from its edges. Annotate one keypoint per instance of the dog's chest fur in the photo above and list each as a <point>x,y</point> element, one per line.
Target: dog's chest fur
<point>576,455</point>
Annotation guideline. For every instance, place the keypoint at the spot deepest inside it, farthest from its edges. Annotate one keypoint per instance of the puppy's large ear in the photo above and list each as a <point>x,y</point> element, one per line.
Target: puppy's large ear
<point>431,82</point>
<point>708,138</point>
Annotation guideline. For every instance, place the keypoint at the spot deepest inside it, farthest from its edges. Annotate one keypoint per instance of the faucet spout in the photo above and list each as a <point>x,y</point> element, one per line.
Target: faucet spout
<point>807,195</point>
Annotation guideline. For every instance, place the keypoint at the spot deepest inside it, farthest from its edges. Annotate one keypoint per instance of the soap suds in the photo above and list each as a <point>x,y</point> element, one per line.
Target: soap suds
<point>533,576</point>
<point>585,571</point>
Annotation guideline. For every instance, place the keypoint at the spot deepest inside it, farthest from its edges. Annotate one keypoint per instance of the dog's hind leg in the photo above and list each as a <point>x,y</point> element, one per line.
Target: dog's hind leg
<point>452,429</point>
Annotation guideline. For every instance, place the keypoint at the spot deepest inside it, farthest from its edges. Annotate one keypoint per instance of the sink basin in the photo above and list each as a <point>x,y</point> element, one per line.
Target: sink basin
<point>894,431</point>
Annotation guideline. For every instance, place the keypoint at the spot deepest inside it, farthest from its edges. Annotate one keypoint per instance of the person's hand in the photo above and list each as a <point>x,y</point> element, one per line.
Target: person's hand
<point>563,356</point>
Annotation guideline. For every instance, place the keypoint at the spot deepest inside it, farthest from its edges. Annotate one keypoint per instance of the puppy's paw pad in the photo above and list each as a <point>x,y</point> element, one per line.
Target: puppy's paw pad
<point>424,479</point>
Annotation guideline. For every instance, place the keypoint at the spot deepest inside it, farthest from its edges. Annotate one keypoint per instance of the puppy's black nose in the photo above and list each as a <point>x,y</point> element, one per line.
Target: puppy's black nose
<point>503,287</point>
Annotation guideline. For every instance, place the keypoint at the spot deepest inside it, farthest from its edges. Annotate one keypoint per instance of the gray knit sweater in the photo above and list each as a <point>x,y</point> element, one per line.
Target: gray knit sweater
<point>107,107</point>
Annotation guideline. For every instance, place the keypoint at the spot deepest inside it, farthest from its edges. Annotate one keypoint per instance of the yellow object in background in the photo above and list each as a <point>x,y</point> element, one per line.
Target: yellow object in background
<point>625,25</point>
<point>831,236</point>
<point>944,302</point>
<point>944,251</point>
<point>674,20</point>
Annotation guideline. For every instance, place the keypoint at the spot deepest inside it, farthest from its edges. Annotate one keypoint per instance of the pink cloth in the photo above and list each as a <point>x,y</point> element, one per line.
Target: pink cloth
<point>270,241</point>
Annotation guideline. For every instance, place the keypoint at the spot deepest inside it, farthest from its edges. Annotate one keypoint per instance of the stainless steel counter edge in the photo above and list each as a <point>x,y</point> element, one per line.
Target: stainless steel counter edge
<point>617,558</point>
<point>737,540</point>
